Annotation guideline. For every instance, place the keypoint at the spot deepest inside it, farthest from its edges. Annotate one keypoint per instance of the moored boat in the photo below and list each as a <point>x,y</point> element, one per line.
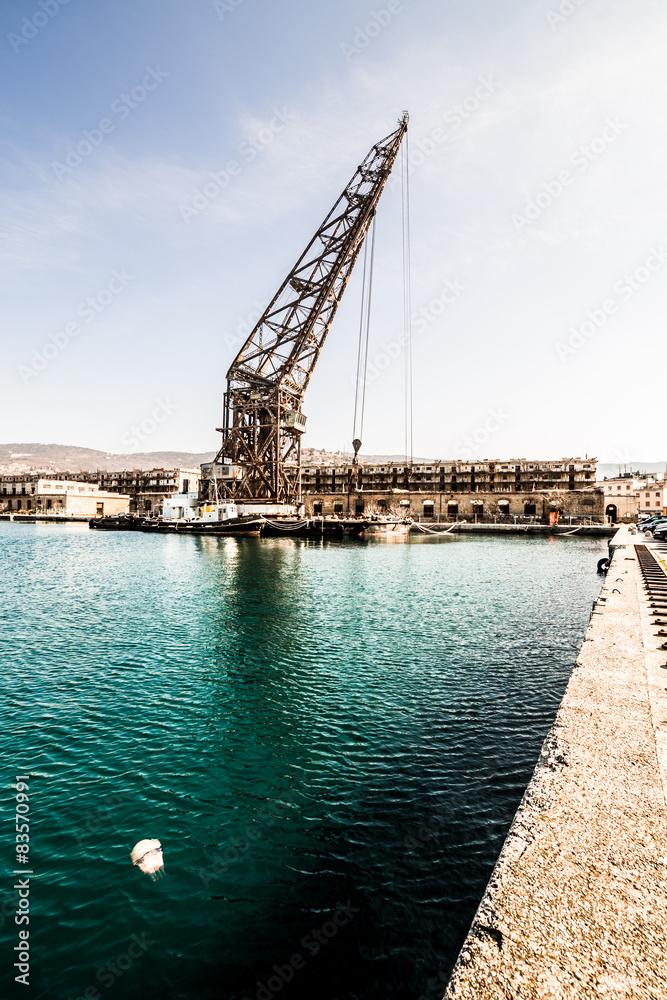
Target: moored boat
<point>385,526</point>
<point>183,513</point>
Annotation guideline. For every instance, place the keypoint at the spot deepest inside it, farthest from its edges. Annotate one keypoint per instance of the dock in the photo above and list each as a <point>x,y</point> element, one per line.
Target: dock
<point>508,528</point>
<point>577,904</point>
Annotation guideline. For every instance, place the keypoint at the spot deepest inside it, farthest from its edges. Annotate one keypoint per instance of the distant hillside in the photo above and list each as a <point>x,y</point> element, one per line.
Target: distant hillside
<point>319,456</point>
<point>70,458</point>
<point>26,457</point>
<point>610,471</point>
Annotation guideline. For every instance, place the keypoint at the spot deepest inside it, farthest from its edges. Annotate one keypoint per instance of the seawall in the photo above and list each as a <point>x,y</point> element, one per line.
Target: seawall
<point>465,527</point>
<point>577,904</point>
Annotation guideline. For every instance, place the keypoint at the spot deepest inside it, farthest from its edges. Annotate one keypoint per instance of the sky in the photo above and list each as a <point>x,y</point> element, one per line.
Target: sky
<point>166,162</point>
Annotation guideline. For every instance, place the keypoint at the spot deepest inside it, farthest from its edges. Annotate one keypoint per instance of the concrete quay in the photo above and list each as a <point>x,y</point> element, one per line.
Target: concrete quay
<point>577,904</point>
<point>489,528</point>
<point>45,518</point>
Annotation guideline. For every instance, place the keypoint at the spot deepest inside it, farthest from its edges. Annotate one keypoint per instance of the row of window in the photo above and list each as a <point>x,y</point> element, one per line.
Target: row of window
<point>370,478</point>
<point>18,504</point>
<point>428,507</point>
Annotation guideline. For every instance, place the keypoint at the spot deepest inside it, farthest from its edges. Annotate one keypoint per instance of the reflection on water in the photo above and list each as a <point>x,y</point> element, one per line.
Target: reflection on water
<point>328,739</point>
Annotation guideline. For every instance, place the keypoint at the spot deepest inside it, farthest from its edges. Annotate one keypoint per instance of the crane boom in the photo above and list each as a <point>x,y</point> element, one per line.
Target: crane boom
<point>260,457</point>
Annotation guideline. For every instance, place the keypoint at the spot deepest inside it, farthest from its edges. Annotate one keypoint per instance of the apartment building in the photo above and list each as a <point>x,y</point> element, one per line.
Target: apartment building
<point>61,497</point>
<point>488,476</point>
<point>145,488</point>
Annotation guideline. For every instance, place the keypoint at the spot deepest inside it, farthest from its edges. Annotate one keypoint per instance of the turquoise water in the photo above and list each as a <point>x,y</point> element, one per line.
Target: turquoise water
<point>329,740</point>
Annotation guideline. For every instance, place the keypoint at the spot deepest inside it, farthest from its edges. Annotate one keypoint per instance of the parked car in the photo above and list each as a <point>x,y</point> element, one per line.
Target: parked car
<point>647,520</point>
<point>660,531</point>
<point>650,526</point>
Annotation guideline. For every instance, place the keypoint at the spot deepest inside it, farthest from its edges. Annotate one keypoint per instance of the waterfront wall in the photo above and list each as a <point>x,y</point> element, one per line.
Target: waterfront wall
<point>579,504</point>
<point>576,906</point>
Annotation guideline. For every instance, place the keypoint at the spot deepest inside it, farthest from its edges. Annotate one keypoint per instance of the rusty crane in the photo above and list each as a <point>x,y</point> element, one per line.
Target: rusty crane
<point>260,456</point>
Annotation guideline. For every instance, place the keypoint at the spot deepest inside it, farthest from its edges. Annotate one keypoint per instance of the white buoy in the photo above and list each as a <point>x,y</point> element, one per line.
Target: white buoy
<point>147,856</point>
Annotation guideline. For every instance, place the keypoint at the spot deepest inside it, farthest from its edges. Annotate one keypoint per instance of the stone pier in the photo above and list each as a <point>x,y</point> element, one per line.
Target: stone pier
<point>576,907</point>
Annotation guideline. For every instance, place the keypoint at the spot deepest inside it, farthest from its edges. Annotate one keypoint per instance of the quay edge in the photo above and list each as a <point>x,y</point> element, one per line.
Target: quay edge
<point>577,904</point>
<point>597,530</point>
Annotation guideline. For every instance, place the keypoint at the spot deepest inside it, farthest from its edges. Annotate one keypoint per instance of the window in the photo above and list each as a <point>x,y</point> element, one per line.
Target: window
<point>529,509</point>
<point>358,506</point>
<point>317,507</point>
<point>338,507</point>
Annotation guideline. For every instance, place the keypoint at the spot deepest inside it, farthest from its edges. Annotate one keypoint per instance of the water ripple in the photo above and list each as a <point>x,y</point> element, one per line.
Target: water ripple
<point>305,727</point>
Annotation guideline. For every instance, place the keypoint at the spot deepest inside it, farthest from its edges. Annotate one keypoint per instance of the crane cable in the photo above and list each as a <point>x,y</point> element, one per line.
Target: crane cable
<point>364,332</point>
<point>407,298</point>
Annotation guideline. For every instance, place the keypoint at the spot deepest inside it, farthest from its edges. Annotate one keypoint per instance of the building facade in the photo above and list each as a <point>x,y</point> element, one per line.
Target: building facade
<point>621,497</point>
<point>653,498</point>
<point>512,476</point>
<point>577,505</point>
<point>145,489</point>
<point>62,497</point>
<point>629,495</point>
<point>489,490</point>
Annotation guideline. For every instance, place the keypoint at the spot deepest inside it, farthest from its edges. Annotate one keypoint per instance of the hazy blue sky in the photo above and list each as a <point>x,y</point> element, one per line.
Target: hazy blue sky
<point>537,137</point>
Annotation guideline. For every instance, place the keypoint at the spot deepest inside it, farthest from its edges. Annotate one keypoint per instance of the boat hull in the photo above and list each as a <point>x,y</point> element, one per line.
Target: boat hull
<point>334,527</point>
<point>312,527</point>
<point>171,526</point>
<point>383,527</point>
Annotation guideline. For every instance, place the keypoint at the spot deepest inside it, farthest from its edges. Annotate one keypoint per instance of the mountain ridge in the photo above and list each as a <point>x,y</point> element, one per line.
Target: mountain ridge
<point>39,457</point>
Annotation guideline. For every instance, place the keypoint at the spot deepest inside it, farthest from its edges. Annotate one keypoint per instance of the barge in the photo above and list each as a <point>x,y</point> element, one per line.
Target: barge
<point>185,513</point>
